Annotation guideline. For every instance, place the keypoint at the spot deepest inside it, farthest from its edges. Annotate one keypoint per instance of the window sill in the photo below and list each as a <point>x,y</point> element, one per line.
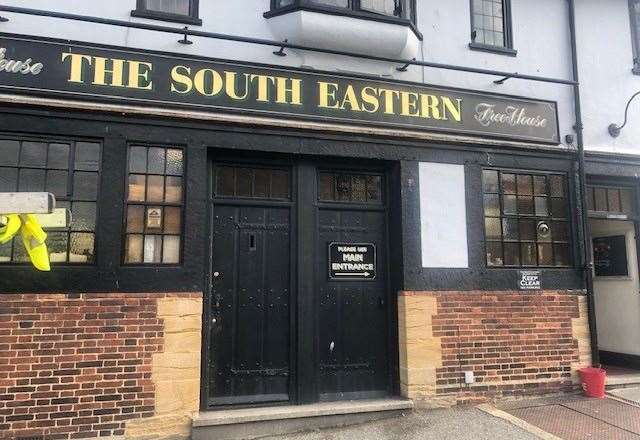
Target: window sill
<point>499,50</point>
<point>346,13</point>
<point>163,16</point>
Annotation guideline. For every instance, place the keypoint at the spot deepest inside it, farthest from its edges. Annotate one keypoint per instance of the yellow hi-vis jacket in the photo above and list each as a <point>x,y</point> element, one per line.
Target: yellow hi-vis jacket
<point>33,238</point>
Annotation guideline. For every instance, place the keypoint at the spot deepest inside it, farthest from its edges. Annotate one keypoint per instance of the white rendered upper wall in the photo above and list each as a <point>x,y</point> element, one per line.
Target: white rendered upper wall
<point>607,82</point>
<point>540,35</point>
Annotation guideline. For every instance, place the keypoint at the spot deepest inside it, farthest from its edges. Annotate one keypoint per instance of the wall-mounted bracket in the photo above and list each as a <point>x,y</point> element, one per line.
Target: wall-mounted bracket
<point>280,52</point>
<point>405,67</point>
<point>503,80</point>
<point>185,40</point>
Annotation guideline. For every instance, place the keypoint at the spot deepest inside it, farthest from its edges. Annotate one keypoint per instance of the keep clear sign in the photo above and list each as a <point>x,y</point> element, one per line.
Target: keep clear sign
<point>352,261</point>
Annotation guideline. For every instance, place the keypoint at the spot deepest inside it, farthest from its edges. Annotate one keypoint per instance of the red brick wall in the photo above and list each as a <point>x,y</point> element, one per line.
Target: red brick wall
<point>77,365</point>
<point>516,343</point>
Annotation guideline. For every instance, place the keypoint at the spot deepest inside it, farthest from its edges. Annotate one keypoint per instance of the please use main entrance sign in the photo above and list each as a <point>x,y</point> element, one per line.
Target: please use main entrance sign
<point>352,261</point>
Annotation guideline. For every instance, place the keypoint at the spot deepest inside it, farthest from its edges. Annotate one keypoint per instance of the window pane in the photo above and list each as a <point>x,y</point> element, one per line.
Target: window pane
<point>343,187</point>
<point>280,184</point>
<point>374,188</point>
<point>528,252</point>
<point>83,216</point>
<point>57,246</point>
<point>509,229</point>
<point>58,156</point>
<point>557,186</point>
<point>87,156</point>
<point>155,160</point>
<point>135,219</point>
<point>10,151</point>
<point>491,205</point>
<point>152,248</point>
<point>490,181</point>
<point>57,183</point>
<point>545,254</point>
<point>512,254</point>
<point>494,254</point>
<point>385,7</point>
<point>244,182</point>
<point>33,154</point>
<point>525,206</point>
<point>5,252</point>
<point>138,160</point>
<point>155,188</point>
<point>81,248</point>
<point>510,205</point>
<point>31,180</point>
<point>560,231</point>
<point>590,201</point>
<point>225,182</point>
<point>542,206</point>
<point>137,188</point>
<point>85,185</point>
<point>614,200</point>
<point>493,231</point>
<point>559,208</point>
<point>337,3</point>
<point>626,203</point>
<point>524,184</point>
<point>8,179</point>
<point>133,249</point>
<point>562,255</point>
<point>326,186</point>
<point>180,7</point>
<point>601,199</point>
<point>359,189</point>
<point>262,183</point>
<point>173,192</point>
<point>174,162</point>
<point>508,183</point>
<point>539,185</point>
<point>171,250</point>
<point>172,220</point>
<point>527,230</point>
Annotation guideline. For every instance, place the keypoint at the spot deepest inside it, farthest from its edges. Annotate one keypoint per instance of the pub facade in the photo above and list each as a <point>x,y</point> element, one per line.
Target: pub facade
<point>298,208</point>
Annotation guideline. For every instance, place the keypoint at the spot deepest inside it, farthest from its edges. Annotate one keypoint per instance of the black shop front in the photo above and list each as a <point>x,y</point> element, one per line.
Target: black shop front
<point>289,198</point>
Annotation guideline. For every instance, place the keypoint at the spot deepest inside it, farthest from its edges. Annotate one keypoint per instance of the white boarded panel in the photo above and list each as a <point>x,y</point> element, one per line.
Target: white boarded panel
<point>443,216</point>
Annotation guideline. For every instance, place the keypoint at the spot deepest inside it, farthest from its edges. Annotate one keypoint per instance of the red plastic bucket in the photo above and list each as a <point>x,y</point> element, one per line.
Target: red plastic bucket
<point>593,380</point>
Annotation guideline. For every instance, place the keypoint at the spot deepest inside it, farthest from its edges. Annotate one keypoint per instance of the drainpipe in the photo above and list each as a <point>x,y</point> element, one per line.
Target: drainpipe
<point>586,257</point>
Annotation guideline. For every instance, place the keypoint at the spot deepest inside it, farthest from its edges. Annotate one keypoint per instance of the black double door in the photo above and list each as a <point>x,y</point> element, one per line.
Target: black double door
<point>286,324</point>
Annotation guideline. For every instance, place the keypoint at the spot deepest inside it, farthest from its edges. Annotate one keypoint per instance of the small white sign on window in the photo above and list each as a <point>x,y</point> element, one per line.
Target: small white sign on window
<point>154,218</point>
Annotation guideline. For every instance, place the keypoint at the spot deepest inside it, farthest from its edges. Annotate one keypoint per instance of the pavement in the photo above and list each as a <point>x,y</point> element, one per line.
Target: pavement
<point>439,424</point>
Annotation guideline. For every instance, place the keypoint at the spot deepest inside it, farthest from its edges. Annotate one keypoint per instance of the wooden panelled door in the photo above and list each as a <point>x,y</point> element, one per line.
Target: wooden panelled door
<point>260,316</point>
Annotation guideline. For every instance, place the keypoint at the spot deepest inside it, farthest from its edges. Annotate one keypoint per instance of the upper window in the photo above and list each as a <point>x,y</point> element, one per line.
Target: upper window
<point>526,218</point>
<point>634,12</point>
<point>350,187</point>
<point>70,171</point>
<point>491,26</point>
<point>395,9</point>
<point>182,11</point>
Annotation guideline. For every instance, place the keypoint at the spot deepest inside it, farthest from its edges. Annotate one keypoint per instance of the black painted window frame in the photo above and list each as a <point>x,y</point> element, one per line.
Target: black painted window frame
<point>146,204</point>
<point>70,199</point>
<point>193,18</point>
<point>507,24</point>
<point>352,10</point>
<point>549,218</point>
<point>634,19</point>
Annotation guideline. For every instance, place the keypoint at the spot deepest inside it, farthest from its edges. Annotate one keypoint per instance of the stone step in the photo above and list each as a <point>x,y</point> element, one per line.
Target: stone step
<point>249,423</point>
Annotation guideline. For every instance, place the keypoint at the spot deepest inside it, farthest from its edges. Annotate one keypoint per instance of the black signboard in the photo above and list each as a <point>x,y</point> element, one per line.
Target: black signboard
<point>352,261</point>
<point>610,256</point>
<point>529,280</point>
<point>83,71</point>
